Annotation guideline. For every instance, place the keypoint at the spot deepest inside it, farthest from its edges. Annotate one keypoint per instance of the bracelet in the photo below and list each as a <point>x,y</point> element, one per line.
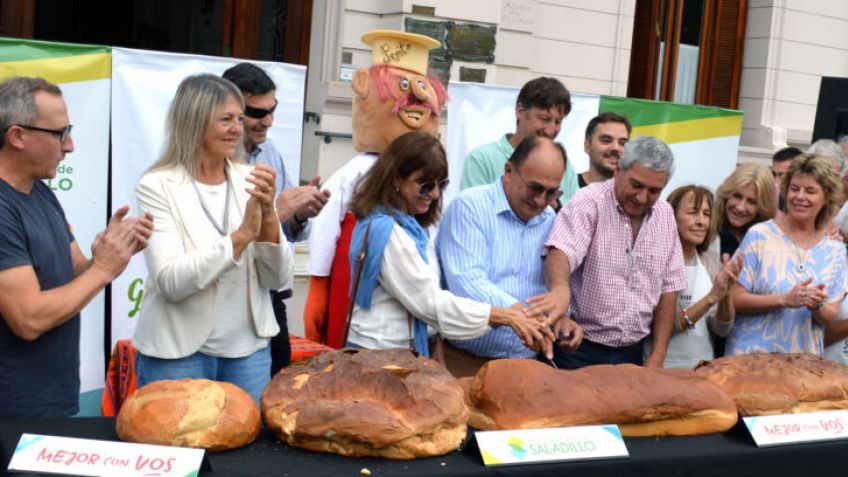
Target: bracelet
<point>685,315</point>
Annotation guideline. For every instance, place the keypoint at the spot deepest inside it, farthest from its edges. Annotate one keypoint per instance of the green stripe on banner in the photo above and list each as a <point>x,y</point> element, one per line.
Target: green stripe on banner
<point>643,112</point>
<point>15,49</point>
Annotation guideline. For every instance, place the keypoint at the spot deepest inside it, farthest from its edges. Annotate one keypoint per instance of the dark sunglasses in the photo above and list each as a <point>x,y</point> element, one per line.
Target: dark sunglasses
<point>62,134</point>
<point>424,188</point>
<point>259,113</point>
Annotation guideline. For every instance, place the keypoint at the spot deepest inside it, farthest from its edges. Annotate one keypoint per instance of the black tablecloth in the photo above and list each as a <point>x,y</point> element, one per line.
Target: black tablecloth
<point>733,453</point>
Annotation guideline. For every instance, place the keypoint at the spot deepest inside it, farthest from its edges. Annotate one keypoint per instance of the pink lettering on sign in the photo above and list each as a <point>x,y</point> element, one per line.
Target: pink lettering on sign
<point>833,426</point>
<point>155,464</point>
<point>782,429</point>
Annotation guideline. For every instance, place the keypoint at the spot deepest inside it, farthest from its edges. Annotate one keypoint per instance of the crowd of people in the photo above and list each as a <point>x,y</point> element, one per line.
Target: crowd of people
<point>530,260</point>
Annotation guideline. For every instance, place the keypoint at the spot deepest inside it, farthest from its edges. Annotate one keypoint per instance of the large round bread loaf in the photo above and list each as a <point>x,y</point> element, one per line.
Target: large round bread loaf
<point>773,383</point>
<point>527,394</point>
<point>196,413</point>
<point>383,403</point>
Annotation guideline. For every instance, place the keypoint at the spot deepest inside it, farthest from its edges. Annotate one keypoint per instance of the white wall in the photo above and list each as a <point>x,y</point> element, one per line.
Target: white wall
<point>789,46</point>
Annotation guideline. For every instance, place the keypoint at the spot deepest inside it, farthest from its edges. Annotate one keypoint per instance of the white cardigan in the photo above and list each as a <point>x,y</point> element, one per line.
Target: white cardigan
<point>406,282</point>
<point>177,313</point>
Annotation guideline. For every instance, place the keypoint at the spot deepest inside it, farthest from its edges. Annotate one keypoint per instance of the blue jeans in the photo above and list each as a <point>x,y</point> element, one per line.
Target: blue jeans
<point>589,353</point>
<point>249,373</point>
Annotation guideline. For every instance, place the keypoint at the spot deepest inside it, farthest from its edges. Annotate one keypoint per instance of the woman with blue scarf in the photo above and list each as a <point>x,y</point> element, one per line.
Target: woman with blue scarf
<point>398,294</point>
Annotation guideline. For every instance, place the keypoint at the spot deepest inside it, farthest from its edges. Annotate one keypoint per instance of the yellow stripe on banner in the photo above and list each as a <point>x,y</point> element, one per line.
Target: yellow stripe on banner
<point>66,69</point>
<point>692,130</point>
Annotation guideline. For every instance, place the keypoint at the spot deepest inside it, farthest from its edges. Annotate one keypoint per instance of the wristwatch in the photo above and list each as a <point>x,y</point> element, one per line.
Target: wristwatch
<point>300,223</point>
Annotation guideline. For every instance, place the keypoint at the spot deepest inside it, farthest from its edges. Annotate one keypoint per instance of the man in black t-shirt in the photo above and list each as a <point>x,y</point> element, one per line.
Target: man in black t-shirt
<point>45,280</point>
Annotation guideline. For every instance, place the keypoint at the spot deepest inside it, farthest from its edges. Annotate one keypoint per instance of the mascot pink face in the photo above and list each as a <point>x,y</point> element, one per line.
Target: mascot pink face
<point>392,101</point>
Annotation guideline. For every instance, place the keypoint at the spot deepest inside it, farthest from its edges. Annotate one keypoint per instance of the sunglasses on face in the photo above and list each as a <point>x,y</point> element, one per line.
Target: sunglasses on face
<point>62,134</point>
<point>425,188</point>
<point>259,113</point>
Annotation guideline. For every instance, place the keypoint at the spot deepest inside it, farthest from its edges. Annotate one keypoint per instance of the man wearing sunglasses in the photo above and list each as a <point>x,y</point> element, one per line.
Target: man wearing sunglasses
<point>295,205</point>
<point>490,249</point>
<point>540,109</point>
<point>45,280</point>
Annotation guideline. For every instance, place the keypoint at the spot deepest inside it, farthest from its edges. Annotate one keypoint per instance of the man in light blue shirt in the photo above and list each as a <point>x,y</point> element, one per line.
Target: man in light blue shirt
<point>490,247</point>
<point>295,205</point>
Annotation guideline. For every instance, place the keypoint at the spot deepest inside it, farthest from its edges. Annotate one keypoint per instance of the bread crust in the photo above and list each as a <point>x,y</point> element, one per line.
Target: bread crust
<point>773,383</point>
<point>526,394</point>
<point>382,403</point>
<point>196,413</point>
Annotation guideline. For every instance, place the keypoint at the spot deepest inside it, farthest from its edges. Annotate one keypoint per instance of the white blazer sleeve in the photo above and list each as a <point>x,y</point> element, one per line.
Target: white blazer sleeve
<point>406,276</point>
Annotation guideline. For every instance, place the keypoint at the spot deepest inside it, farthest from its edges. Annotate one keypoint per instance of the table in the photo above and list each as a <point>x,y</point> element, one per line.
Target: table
<point>729,454</point>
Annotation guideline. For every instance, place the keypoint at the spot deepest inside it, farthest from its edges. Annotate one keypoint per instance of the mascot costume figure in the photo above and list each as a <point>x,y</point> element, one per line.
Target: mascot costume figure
<point>394,96</point>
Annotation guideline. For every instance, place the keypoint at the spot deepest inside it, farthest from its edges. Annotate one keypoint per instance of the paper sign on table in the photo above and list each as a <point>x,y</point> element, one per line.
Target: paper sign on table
<point>791,428</point>
<point>73,456</point>
<point>549,445</point>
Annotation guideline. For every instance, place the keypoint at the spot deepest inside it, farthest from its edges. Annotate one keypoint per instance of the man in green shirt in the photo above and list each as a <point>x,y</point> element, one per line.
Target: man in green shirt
<point>541,106</point>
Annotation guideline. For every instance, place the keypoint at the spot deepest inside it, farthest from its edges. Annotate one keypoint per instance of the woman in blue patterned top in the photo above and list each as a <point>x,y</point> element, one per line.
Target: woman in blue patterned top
<point>793,273</point>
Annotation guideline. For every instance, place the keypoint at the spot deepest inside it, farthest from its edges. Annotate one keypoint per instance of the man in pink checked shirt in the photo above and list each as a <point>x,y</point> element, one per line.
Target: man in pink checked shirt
<point>613,255</point>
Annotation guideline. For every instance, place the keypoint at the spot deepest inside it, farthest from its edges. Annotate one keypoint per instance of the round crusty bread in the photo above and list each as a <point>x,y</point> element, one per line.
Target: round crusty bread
<point>775,383</point>
<point>527,394</point>
<point>382,403</point>
<point>195,413</point>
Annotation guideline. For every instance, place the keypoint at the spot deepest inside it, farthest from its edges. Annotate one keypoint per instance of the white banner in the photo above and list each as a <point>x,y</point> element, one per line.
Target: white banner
<point>143,85</point>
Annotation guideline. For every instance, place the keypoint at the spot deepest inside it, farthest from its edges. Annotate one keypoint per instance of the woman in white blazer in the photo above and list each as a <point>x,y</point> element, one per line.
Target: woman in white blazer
<point>216,247</point>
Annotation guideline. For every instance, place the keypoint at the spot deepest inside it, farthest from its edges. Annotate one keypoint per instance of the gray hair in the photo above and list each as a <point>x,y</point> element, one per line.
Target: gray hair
<point>843,139</point>
<point>649,152</point>
<point>17,101</point>
<point>190,116</point>
<point>829,149</point>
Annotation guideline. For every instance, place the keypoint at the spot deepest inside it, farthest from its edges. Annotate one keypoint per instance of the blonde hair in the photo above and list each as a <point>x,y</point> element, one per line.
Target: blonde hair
<point>190,116</point>
<point>763,181</point>
<point>819,167</point>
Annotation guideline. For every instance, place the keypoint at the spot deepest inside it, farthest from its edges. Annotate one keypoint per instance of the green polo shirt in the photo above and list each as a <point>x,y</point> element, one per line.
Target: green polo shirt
<point>485,164</point>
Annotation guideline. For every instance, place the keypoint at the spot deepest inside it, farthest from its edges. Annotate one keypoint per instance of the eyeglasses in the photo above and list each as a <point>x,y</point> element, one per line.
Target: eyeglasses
<point>259,113</point>
<point>537,189</point>
<point>62,134</point>
<point>425,188</point>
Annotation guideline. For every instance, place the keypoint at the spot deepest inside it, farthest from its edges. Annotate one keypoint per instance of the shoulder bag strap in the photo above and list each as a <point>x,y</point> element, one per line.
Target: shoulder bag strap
<point>352,299</point>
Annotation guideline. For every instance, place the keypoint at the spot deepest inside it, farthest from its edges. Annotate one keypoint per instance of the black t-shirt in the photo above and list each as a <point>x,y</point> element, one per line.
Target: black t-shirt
<point>40,377</point>
<point>727,241</point>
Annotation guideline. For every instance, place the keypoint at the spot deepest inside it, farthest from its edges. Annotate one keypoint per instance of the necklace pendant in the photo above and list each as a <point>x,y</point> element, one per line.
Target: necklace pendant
<point>800,268</point>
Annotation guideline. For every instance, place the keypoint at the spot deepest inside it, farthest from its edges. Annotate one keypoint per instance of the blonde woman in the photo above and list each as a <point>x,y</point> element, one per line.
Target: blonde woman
<point>793,273</point>
<point>745,198</point>
<point>216,247</point>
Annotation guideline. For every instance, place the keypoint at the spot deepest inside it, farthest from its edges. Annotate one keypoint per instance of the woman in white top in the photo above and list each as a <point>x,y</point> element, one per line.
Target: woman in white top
<point>704,307</point>
<point>216,247</point>
<point>399,293</point>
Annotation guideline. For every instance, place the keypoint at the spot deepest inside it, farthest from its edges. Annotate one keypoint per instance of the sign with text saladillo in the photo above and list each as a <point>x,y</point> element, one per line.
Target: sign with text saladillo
<point>73,456</point>
<point>143,85</point>
<point>528,446</point>
<point>784,429</point>
<point>84,75</point>
<point>703,139</point>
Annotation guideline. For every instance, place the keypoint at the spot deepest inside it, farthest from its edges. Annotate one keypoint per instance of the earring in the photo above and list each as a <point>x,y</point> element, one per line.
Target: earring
<point>396,189</point>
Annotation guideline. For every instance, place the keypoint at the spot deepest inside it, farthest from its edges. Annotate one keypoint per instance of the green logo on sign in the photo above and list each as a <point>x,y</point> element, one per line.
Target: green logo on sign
<point>135,293</point>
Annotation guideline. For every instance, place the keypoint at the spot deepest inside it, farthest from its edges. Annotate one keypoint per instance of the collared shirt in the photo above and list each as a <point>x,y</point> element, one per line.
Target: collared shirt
<point>490,255</point>
<point>485,165</point>
<point>267,154</point>
<point>615,282</point>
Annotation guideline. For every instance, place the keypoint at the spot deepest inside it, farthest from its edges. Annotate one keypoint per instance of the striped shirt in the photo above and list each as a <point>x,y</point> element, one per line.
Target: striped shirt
<point>267,154</point>
<point>616,283</point>
<point>488,254</point>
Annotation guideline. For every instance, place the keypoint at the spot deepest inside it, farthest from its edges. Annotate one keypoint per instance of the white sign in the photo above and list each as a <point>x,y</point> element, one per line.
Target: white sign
<point>549,445</point>
<point>792,428</point>
<point>72,456</point>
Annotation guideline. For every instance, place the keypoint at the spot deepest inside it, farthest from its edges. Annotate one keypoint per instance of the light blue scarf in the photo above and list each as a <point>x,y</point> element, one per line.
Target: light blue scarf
<point>382,222</point>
